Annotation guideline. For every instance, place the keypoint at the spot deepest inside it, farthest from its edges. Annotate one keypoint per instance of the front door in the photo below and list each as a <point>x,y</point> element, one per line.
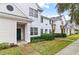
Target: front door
<point>19,34</point>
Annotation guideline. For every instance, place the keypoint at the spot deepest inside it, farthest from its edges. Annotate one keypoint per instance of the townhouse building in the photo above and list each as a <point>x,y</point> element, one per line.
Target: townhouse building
<point>20,22</point>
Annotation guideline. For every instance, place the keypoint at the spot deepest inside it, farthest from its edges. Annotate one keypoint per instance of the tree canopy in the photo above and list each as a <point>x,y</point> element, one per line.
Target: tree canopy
<point>72,8</point>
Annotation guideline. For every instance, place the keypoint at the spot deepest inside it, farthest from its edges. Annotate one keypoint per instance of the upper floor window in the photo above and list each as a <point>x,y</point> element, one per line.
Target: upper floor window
<point>49,21</point>
<point>10,8</point>
<point>34,31</point>
<point>30,12</point>
<point>41,19</point>
<point>33,12</point>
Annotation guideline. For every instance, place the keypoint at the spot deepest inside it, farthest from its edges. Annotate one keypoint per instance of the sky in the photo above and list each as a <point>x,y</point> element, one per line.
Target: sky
<point>50,10</point>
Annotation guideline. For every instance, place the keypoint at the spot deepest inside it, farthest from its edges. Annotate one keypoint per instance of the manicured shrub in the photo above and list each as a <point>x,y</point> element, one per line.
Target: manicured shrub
<point>43,37</point>
<point>47,36</point>
<point>60,35</point>
<point>35,39</point>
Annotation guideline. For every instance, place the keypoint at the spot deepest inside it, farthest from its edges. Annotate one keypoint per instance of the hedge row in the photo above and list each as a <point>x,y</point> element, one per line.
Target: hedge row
<point>60,35</point>
<point>43,37</point>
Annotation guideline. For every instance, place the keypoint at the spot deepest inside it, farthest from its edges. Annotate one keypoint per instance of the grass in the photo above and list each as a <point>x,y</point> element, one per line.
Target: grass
<point>11,51</point>
<point>44,48</point>
<point>73,37</point>
<point>50,47</point>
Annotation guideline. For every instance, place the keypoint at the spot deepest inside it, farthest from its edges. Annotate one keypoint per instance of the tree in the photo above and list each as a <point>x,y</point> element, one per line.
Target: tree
<point>72,8</point>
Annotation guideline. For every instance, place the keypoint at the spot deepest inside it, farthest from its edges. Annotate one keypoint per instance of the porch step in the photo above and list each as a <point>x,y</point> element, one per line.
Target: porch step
<point>22,43</point>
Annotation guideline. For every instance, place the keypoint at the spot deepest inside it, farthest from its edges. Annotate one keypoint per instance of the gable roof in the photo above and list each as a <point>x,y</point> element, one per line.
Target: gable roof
<point>16,11</point>
<point>46,17</point>
<point>19,10</point>
<point>37,5</point>
<point>58,18</point>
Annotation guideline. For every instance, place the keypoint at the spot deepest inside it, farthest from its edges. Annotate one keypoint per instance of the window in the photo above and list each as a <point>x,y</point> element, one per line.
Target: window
<point>45,30</point>
<point>62,29</point>
<point>34,31</point>
<point>53,27</point>
<point>10,8</point>
<point>49,21</point>
<point>31,30</point>
<point>33,12</point>
<point>41,31</point>
<point>41,19</point>
<point>49,30</point>
<point>30,12</point>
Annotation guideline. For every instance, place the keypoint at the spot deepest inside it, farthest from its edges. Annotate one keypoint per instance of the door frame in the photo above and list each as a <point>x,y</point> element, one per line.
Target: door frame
<point>17,34</point>
<point>22,27</point>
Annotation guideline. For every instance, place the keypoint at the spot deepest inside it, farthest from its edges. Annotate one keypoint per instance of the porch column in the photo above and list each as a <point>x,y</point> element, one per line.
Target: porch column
<point>27,32</point>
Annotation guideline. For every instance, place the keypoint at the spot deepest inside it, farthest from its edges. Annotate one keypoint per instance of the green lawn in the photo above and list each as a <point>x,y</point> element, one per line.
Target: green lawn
<point>50,47</point>
<point>11,51</point>
<point>44,48</point>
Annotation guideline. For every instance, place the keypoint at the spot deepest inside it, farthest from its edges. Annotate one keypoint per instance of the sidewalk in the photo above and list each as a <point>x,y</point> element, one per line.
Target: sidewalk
<point>72,49</point>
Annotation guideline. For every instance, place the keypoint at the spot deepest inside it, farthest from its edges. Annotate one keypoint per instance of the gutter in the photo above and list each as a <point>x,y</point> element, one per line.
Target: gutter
<point>30,20</point>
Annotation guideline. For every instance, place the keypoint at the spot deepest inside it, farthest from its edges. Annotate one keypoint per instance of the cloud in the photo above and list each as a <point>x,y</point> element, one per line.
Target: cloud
<point>41,4</point>
<point>52,15</point>
<point>46,5</point>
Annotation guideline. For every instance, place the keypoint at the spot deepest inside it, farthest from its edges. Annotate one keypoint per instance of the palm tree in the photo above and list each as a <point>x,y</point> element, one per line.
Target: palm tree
<point>72,8</point>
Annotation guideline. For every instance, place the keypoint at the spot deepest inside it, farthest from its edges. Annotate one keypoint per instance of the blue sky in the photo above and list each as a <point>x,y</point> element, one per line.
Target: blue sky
<point>51,11</point>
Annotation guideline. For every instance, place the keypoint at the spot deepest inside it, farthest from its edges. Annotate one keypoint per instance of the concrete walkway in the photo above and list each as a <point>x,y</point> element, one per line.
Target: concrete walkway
<point>72,49</point>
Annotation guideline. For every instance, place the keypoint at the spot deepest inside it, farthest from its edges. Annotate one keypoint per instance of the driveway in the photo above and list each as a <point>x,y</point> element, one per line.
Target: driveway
<point>72,49</point>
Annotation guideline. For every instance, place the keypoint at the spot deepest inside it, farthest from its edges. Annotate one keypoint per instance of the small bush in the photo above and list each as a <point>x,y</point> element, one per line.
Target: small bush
<point>4,45</point>
<point>43,37</point>
<point>60,35</point>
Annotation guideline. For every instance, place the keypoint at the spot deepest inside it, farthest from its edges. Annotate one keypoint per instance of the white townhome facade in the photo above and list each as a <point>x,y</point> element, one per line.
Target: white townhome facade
<point>45,25</point>
<point>69,28</point>
<point>40,24</point>
<point>58,23</point>
<point>22,21</point>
